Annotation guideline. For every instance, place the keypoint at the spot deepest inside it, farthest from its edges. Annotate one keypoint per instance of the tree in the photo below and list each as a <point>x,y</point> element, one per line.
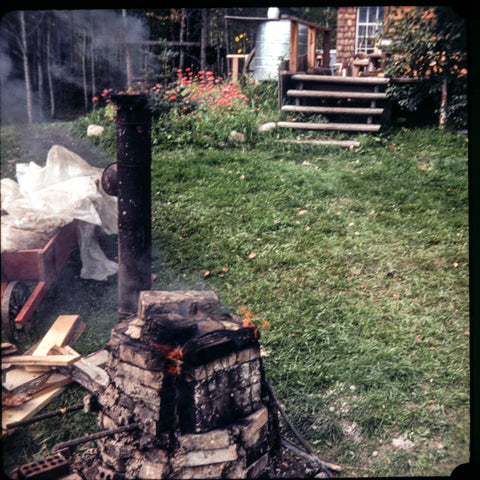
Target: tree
<point>428,46</point>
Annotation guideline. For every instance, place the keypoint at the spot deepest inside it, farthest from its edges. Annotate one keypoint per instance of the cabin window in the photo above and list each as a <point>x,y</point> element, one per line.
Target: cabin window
<point>369,25</point>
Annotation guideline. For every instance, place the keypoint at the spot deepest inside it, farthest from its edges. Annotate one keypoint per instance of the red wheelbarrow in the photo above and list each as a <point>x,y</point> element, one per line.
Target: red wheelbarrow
<point>35,265</point>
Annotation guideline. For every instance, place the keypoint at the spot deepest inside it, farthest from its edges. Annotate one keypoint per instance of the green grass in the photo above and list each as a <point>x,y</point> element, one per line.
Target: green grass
<point>361,271</point>
<point>355,266</point>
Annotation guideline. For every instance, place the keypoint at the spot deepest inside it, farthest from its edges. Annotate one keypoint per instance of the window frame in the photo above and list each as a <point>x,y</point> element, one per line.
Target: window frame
<point>375,26</point>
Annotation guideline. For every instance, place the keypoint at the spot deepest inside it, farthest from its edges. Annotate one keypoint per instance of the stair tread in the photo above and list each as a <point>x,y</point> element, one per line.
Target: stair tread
<point>346,110</point>
<point>332,94</point>
<point>363,127</point>
<point>340,79</point>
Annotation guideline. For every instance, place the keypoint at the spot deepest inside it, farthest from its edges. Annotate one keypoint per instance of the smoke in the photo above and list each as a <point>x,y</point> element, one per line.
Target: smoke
<point>87,50</point>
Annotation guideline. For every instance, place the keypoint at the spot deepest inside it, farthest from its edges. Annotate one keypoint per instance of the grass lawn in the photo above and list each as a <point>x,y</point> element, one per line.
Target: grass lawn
<point>353,264</point>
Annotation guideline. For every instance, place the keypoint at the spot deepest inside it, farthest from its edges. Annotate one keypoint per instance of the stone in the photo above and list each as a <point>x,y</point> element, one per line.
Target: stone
<point>95,130</point>
<point>237,136</point>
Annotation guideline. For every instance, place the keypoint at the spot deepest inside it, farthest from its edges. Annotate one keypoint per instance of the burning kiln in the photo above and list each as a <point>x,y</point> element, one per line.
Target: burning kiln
<point>185,380</point>
<point>189,380</point>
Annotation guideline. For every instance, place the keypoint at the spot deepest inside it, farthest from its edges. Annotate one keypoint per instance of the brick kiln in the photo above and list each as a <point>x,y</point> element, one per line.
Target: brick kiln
<point>189,380</point>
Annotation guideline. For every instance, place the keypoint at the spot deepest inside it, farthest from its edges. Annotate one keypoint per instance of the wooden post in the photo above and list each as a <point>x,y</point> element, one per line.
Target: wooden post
<point>293,46</point>
<point>326,48</point>
<point>311,47</point>
<point>235,57</point>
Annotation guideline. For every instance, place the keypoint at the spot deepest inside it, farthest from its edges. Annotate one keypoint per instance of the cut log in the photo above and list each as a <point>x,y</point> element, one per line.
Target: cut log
<point>339,143</point>
<point>340,79</point>
<point>350,127</point>
<point>341,110</point>
<point>335,94</point>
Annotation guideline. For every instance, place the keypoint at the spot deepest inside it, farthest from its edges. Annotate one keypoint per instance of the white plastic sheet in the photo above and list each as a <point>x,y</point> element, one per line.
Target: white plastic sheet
<point>46,198</point>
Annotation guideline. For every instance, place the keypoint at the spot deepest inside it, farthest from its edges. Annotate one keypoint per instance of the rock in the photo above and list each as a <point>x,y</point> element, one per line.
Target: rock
<point>95,130</point>
<point>403,443</point>
<point>237,136</point>
<point>266,127</point>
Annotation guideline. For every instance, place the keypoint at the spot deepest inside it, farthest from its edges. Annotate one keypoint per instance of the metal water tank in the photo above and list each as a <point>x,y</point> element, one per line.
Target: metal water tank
<point>273,46</point>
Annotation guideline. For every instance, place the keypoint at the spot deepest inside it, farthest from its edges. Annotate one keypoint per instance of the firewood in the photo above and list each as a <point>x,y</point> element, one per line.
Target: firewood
<point>42,360</point>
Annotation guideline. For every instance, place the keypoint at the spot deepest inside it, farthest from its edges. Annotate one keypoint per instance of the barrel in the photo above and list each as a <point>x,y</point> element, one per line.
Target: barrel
<point>273,46</point>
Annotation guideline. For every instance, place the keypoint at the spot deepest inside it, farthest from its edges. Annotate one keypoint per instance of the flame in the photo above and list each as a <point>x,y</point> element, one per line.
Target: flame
<point>247,320</point>
<point>172,355</point>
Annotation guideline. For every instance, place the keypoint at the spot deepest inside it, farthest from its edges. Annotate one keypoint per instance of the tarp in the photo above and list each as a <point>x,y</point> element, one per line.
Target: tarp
<point>46,198</point>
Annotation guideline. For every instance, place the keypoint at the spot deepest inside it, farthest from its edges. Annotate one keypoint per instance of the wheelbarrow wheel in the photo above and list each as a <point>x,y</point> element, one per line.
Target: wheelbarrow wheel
<point>14,298</point>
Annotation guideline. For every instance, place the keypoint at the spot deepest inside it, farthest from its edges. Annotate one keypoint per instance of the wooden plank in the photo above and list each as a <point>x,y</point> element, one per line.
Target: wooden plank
<point>37,384</point>
<point>333,94</point>
<point>8,348</point>
<point>305,22</point>
<point>347,127</point>
<point>340,79</point>
<point>20,380</point>
<point>339,143</point>
<point>41,399</point>
<point>43,360</point>
<point>58,335</point>
<point>311,47</point>
<point>64,330</point>
<point>343,110</point>
<point>30,408</point>
<point>293,46</point>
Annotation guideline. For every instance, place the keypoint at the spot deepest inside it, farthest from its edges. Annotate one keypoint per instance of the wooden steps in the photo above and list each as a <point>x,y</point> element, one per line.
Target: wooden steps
<point>349,104</point>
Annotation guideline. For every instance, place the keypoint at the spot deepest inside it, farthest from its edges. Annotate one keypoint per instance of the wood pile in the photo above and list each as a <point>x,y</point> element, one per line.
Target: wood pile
<point>30,381</point>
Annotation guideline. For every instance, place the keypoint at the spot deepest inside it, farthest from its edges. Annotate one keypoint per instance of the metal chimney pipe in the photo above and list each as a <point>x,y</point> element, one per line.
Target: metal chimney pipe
<point>130,180</point>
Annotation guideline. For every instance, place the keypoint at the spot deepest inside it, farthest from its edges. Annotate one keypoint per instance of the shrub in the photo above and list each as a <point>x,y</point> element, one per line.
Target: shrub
<point>203,109</point>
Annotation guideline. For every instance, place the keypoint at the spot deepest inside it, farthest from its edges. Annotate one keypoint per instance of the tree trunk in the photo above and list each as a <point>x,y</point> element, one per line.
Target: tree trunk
<point>84,70</point>
<point>128,59</point>
<point>49,72</point>
<point>28,84</point>
<point>181,63</point>
<point>40,69</point>
<point>203,40</point>
<point>443,104</point>
<point>92,59</point>
<point>226,39</point>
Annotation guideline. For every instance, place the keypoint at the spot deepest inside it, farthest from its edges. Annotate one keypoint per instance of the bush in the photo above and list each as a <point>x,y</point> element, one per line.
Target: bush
<point>204,109</point>
<point>197,110</point>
